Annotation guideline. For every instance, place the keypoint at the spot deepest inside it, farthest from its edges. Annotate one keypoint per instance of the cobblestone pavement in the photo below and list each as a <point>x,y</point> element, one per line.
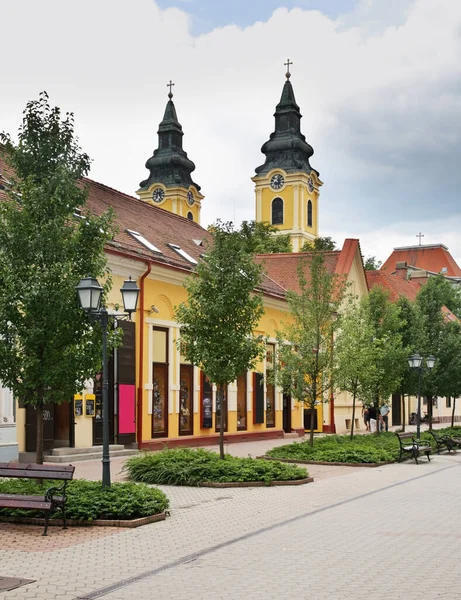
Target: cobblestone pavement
<point>392,531</point>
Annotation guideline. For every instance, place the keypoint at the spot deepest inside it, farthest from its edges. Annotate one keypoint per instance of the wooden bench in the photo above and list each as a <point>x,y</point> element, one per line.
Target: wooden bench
<point>413,449</point>
<point>54,497</point>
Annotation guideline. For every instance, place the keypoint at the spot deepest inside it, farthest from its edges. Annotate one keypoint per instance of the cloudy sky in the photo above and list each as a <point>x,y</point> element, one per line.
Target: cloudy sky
<point>378,83</point>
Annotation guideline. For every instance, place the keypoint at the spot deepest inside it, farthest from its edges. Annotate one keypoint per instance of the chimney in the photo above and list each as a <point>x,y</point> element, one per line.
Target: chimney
<point>401,264</point>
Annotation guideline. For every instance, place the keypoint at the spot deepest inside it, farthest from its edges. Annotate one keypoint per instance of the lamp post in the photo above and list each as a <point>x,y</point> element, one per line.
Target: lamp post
<point>89,294</point>
<point>416,362</point>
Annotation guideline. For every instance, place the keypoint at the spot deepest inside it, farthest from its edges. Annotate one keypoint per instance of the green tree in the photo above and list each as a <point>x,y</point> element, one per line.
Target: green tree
<point>320,244</point>
<point>410,329</point>
<point>371,263</point>
<point>221,313</point>
<point>260,237</point>
<point>437,338</point>
<point>47,346</point>
<point>353,365</point>
<point>385,348</point>
<point>304,361</point>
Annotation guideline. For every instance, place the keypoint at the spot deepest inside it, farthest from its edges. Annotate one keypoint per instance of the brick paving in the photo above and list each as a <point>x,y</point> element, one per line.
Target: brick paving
<point>350,535</point>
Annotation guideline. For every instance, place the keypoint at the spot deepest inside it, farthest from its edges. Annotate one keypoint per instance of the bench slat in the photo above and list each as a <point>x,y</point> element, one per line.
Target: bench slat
<point>24,497</point>
<point>14,503</point>
<point>35,467</point>
<point>29,474</point>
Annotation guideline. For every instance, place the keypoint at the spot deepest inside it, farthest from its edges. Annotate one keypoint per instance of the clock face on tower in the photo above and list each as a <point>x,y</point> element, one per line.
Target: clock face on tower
<point>310,184</point>
<point>190,197</point>
<point>158,194</point>
<point>277,181</point>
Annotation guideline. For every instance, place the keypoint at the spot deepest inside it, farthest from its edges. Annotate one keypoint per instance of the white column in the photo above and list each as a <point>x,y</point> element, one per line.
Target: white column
<point>296,226</point>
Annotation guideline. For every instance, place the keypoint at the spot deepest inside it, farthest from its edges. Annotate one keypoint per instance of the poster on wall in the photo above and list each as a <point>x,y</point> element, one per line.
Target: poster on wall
<point>90,407</point>
<point>78,408</point>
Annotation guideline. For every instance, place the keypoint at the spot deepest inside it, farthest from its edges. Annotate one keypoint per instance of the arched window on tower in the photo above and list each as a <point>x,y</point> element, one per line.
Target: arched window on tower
<point>277,211</point>
<point>190,216</point>
<point>309,213</point>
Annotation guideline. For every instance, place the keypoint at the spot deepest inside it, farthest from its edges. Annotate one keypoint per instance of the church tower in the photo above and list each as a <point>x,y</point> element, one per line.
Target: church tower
<point>287,187</point>
<point>169,184</point>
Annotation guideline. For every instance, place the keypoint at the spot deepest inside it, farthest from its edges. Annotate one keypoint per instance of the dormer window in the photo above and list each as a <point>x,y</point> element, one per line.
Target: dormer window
<point>183,253</point>
<point>142,240</point>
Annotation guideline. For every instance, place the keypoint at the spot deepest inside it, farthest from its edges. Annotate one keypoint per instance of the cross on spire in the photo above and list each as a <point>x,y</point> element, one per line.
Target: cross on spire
<point>420,235</point>
<point>170,93</point>
<point>287,65</point>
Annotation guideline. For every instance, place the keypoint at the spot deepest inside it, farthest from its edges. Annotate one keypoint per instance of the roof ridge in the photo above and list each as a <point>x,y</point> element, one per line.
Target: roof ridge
<point>142,202</point>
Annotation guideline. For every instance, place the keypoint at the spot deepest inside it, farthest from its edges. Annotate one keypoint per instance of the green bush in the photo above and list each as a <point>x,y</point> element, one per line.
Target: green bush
<point>340,448</point>
<point>186,466</point>
<point>87,500</point>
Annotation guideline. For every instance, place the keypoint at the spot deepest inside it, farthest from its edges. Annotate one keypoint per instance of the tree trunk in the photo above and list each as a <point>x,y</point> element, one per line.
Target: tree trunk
<point>377,413</point>
<point>221,424</point>
<point>453,412</point>
<point>403,412</point>
<point>39,446</point>
<point>353,415</point>
<point>311,433</point>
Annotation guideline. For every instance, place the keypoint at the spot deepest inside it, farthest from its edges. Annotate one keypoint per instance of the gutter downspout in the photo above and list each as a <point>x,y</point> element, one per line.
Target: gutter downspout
<point>141,356</point>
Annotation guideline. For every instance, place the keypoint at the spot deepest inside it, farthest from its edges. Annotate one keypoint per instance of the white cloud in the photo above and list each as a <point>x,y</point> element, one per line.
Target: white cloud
<point>379,90</point>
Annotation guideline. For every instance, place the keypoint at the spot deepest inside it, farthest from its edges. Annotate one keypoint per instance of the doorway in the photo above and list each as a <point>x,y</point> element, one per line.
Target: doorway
<point>287,413</point>
<point>396,409</point>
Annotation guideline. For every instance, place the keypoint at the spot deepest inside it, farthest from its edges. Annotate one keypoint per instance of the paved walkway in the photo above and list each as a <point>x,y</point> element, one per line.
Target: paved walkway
<point>314,541</point>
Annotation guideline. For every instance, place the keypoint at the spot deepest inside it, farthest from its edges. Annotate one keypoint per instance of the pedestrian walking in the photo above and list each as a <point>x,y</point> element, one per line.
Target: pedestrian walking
<point>385,410</point>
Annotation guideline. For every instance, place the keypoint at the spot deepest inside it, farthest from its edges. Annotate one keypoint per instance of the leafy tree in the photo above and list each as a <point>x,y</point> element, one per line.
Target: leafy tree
<point>264,238</point>
<point>385,349</point>
<point>221,313</point>
<point>304,361</point>
<point>47,346</point>
<point>354,365</point>
<point>371,263</point>
<point>438,338</point>
<point>449,363</point>
<point>410,328</point>
<point>320,244</point>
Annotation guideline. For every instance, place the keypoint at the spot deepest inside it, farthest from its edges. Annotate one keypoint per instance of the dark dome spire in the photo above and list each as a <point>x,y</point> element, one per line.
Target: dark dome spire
<point>169,164</point>
<point>287,147</point>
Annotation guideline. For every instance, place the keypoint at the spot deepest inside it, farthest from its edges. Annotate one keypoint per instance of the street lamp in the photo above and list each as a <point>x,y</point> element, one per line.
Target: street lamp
<point>416,362</point>
<point>90,294</point>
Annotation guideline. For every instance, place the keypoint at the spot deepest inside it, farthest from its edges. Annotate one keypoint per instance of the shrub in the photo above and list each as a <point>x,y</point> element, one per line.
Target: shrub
<point>87,500</point>
<point>340,448</point>
<point>186,466</point>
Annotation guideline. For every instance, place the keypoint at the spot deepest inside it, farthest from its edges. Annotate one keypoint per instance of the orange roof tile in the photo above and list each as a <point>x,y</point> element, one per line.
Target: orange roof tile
<point>394,284</point>
<point>283,268</point>
<point>434,258</point>
<point>156,225</point>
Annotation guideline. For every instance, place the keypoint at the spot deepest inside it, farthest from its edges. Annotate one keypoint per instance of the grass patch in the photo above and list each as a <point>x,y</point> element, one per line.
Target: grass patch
<point>186,466</point>
<point>86,500</point>
<point>370,449</point>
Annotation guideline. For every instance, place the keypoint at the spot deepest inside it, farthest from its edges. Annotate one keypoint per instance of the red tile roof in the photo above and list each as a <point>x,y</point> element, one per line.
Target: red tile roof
<point>156,225</point>
<point>283,268</point>
<point>434,258</point>
<point>395,285</point>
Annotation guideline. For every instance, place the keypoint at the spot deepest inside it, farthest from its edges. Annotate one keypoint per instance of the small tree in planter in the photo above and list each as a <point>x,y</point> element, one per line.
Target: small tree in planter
<point>221,313</point>
<point>304,361</point>
<point>353,363</point>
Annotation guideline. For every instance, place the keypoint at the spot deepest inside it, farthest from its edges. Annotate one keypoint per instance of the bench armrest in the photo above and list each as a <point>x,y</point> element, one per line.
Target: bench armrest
<point>56,491</point>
